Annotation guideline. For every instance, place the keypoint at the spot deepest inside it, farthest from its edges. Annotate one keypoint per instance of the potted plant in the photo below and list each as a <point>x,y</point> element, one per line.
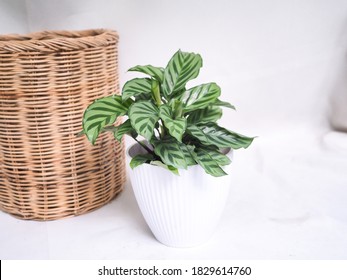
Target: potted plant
<point>180,161</point>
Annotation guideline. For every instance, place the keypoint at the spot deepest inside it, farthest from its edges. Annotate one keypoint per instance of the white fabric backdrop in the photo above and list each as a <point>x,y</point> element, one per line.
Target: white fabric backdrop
<point>278,61</point>
<point>282,64</point>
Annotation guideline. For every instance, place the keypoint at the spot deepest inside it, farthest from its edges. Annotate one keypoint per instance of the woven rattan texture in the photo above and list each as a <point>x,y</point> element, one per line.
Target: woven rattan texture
<point>47,80</point>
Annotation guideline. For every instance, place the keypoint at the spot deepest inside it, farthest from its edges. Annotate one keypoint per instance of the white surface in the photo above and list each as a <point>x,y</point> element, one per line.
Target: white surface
<point>283,64</point>
<point>286,202</point>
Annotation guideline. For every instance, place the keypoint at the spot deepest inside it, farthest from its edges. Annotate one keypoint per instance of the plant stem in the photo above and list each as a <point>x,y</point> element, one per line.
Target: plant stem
<point>157,98</point>
<point>144,146</point>
<point>162,131</point>
<point>156,92</point>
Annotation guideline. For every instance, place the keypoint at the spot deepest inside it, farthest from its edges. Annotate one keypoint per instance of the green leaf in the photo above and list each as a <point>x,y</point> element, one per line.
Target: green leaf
<point>143,116</point>
<point>176,107</point>
<point>210,165</point>
<point>136,87</point>
<point>109,128</point>
<point>155,72</point>
<point>174,170</point>
<point>217,156</point>
<point>176,127</point>
<point>102,112</point>
<point>212,134</point>
<point>124,128</point>
<point>140,159</point>
<point>200,97</point>
<point>181,68</point>
<point>168,149</point>
<point>209,114</point>
<point>188,151</point>
<point>223,104</point>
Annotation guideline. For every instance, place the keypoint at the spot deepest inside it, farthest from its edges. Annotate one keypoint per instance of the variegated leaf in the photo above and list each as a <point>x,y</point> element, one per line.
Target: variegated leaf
<point>188,151</point>
<point>208,163</point>
<point>140,159</point>
<point>176,127</point>
<point>220,158</point>
<point>209,114</point>
<point>176,107</point>
<point>168,149</point>
<point>137,87</point>
<point>174,170</point>
<point>212,134</point>
<point>155,72</point>
<point>181,68</point>
<point>200,97</point>
<point>124,128</point>
<point>101,113</point>
<point>223,104</point>
<point>143,116</point>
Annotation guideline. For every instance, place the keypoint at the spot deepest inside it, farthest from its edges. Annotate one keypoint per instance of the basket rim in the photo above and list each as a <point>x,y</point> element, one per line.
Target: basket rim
<point>57,40</point>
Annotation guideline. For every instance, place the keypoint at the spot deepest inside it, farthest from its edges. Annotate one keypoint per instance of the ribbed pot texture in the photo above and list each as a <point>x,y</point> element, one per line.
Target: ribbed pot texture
<point>181,211</point>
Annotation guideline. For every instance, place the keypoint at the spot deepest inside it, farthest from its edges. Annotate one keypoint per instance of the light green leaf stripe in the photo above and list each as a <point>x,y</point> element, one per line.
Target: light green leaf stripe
<point>143,116</point>
<point>102,112</point>
<point>208,163</point>
<point>200,97</point>
<point>136,87</point>
<point>155,72</point>
<point>209,114</point>
<point>168,149</point>
<point>181,68</point>
<point>176,127</point>
<point>212,134</point>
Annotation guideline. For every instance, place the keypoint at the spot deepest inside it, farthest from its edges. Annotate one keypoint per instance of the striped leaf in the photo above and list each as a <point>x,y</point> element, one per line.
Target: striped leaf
<point>188,151</point>
<point>212,134</point>
<point>174,170</point>
<point>208,163</point>
<point>181,68</point>
<point>176,127</point>
<point>200,97</point>
<point>209,114</point>
<point>137,87</point>
<point>223,104</point>
<point>169,150</point>
<point>220,158</point>
<point>124,128</point>
<point>176,107</point>
<point>143,116</point>
<point>155,72</point>
<point>101,113</point>
<point>140,159</point>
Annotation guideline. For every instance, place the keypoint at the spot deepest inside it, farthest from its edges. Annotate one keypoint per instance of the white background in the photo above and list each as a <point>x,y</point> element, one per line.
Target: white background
<point>283,65</point>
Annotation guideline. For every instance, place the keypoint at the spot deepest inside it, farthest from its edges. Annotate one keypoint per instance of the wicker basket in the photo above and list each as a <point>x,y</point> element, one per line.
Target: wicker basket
<point>47,80</point>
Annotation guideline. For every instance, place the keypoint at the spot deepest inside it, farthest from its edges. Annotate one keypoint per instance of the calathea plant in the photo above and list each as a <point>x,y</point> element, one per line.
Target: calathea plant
<point>179,124</point>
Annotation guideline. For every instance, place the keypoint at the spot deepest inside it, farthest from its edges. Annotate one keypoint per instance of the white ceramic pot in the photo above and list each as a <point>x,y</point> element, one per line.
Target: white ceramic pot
<point>181,211</point>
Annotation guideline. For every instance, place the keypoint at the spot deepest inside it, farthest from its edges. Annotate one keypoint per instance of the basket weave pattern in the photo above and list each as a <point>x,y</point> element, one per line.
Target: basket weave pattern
<point>47,80</point>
